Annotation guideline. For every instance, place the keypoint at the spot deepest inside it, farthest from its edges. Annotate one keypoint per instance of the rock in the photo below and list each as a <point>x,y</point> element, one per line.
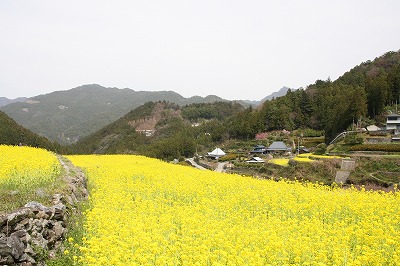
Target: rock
<point>69,200</point>
<point>3,220</point>
<point>28,250</point>
<point>11,246</point>
<point>4,248</point>
<point>39,241</point>
<point>341,176</point>
<point>42,215</point>
<point>14,192</point>
<point>58,212</point>
<point>29,226</point>
<point>37,207</point>
<point>41,193</point>
<point>38,225</point>
<point>27,260</point>
<point>17,216</point>
<point>22,225</point>
<point>6,260</point>
<point>52,254</point>
<point>21,235</point>
<point>49,235</point>
<point>57,198</point>
<point>6,230</point>
<point>58,231</point>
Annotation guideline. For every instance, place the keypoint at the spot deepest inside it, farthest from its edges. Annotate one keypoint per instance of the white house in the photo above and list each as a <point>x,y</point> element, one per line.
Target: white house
<point>393,122</point>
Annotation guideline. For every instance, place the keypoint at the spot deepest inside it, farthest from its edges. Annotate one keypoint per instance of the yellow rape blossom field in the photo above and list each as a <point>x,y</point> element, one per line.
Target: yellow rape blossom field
<point>147,212</point>
<point>27,167</point>
<point>27,174</point>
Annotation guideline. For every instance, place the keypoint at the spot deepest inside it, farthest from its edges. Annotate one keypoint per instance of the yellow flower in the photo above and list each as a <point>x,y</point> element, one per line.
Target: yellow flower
<point>148,212</point>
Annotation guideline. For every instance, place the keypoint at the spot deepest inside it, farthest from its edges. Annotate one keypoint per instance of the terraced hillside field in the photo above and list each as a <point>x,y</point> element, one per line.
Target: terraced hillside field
<point>147,212</point>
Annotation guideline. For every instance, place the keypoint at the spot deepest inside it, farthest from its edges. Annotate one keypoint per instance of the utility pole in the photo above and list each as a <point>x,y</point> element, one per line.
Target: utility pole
<point>298,143</point>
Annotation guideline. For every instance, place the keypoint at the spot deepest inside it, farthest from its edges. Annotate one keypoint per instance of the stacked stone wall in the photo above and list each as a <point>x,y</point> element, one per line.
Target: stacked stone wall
<point>33,230</point>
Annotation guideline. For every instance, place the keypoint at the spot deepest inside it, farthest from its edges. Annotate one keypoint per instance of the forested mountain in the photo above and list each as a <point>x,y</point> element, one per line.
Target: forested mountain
<point>380,81</point>
<point>361,95</point>
<point>4,101</point>
<point>162,129</point>
<point>12,133</point>
<point>67,116</point>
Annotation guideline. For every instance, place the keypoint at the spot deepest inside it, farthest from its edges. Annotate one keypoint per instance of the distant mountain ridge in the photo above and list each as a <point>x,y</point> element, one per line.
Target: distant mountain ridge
<point>282,92</point>
<point>4,101</point>
<point>67,116</point>
<point>279,93</point>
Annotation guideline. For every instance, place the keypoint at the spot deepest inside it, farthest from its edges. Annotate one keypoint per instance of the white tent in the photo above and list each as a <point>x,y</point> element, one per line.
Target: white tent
<point>216,153</point>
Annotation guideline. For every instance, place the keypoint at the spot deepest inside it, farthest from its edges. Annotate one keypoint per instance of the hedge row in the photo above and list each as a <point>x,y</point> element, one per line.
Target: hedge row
<point>392,147</point>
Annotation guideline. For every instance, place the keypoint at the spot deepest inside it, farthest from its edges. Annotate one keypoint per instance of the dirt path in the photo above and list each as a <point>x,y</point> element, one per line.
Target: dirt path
<point>75,179</point>
<point>220,167</point>
<point>194,164</point>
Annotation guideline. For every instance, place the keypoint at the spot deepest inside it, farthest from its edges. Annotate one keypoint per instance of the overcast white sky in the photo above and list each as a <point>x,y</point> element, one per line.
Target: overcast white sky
<point>233,49</point>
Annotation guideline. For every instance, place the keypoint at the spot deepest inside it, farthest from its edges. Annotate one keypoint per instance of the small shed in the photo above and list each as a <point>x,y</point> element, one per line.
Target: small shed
<point>255,160</point>
<point>216,153</point>
<point>278,146</point>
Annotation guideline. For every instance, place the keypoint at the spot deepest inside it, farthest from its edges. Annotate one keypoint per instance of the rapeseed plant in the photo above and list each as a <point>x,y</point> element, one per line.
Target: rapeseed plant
<point>27,167</point>
<point>148,212</point>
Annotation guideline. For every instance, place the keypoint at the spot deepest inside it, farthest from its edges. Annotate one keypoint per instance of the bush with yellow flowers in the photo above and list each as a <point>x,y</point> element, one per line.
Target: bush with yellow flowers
<point>148,212</point>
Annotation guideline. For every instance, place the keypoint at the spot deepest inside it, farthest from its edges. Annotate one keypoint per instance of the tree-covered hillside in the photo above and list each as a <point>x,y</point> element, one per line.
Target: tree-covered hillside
<point>67,116</point>
<point>362,95</point>
<point>12,133</point>
<point>162,129</point>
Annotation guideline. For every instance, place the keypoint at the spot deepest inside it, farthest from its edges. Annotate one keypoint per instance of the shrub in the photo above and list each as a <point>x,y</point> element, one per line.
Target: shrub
<point>381,133</point>
<point>313,133</point>
<point>320,149</point>
<point>228,157</point>
<point>353,139</point>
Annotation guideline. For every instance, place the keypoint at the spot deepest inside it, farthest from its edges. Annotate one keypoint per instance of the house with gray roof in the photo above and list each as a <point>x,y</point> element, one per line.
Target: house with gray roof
<point>259,149</point>
<point>278,146</point>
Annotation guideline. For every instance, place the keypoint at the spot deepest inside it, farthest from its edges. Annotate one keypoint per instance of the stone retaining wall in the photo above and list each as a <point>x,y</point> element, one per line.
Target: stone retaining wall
<point>29,232</point>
